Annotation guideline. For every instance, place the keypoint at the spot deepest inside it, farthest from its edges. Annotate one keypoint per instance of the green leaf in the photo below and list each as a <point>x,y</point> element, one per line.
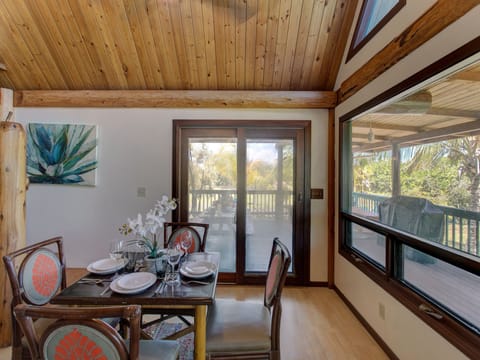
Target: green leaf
<point>60,146</point>
<point>79,140</point>
<point>72,161</point>
<point>83,169</point>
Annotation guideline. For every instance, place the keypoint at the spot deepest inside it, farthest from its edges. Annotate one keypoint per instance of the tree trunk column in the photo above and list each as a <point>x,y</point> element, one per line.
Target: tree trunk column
<point>13,187</point>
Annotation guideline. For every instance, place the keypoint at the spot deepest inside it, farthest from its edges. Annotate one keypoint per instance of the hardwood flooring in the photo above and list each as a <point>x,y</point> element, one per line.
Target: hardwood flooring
<point>316,324</point>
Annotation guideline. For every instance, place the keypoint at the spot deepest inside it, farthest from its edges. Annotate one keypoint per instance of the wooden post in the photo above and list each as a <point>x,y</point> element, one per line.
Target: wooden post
<point>13,187</point>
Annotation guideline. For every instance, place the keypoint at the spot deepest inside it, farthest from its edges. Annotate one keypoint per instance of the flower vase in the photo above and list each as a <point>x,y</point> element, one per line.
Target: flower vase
<point>156,265</point>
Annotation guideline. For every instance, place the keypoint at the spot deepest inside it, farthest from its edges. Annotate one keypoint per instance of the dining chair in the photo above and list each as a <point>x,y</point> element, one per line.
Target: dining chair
<point>79,334</point>
<point>174,231</point>
<point>36,273</point>
<point>172,235</point>
<point>248,329</point>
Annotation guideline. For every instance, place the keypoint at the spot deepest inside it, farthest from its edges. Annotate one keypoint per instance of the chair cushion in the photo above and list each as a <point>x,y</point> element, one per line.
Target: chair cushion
<point>158,349</point>
<point>238,326</point>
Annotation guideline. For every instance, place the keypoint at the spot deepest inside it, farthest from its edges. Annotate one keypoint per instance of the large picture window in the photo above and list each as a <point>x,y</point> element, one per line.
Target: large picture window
<point>410,197</point>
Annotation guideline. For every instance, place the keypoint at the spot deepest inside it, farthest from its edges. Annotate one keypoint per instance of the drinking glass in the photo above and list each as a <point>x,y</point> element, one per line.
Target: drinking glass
<point>186,241</point>
<point>173,258</point>
<point>116,249</point>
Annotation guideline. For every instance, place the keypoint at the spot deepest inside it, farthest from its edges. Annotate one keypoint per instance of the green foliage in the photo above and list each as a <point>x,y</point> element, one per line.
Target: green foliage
<point>58,154</point>
<point>445,172</point>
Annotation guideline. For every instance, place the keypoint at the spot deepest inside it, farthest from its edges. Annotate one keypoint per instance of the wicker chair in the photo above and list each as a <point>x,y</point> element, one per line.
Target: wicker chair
<point>78,333</point>
<point>246,329</point>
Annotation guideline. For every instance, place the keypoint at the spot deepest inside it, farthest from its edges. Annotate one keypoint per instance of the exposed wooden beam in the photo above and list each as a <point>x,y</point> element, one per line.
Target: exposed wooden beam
<point>438,17</point>
<point>467,75</point>
<point>418,103</point>
<point>176,99</point>
<point>365,136</point>
<point>454,112</point>
<point>466,129</point>
<point>374,126</point>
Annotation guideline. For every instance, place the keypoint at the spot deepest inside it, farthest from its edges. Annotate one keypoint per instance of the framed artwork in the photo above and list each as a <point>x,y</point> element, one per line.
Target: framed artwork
<point>62,154</point>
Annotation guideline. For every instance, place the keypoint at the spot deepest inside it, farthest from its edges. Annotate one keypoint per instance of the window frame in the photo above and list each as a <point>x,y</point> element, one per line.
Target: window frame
<point>452,329</point>
<point>353,49</point>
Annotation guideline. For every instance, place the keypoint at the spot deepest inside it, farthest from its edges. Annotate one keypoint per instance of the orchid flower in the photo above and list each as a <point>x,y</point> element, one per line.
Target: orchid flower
<point>154,220</point>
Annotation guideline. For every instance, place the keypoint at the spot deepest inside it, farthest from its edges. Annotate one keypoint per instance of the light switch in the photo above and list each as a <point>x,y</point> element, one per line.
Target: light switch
<point>141,192</point>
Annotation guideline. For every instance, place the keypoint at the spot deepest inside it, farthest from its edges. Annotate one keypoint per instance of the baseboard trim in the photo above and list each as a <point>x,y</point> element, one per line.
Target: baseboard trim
<point>317,283</point>
<point>367,326</point>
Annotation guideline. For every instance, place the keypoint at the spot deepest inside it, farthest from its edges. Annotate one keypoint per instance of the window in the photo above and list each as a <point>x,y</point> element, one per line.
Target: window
<point>373,16</point>
<point>410,194</point>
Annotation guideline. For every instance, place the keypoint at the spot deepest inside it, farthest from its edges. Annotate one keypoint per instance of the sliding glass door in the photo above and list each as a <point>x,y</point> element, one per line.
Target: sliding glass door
<point>247,183</point>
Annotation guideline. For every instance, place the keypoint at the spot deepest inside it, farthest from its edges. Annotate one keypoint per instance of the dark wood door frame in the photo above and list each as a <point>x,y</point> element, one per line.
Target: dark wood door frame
<point>302,195</point>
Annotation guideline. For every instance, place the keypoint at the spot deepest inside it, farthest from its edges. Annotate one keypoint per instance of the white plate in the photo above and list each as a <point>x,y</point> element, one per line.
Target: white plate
<point>135,281</point>
<point>198,269</point>
<point>106,266</point>
<point>118,289</point>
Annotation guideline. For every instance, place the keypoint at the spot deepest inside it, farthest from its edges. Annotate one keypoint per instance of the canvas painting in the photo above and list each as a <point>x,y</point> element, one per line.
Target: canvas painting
<point>61,153</point>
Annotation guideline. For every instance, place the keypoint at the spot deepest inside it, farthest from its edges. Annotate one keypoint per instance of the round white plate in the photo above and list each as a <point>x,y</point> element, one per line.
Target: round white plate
<point>106,266</point>
<point>136,280</point>
<point>197,269</point>
<point>118,289</point>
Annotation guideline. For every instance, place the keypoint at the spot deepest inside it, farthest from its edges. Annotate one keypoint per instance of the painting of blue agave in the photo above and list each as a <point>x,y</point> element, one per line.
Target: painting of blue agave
<point>61,153</point>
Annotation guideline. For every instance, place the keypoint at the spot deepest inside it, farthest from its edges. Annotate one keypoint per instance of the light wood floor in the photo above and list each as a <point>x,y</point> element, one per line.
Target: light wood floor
<point>316,324</point>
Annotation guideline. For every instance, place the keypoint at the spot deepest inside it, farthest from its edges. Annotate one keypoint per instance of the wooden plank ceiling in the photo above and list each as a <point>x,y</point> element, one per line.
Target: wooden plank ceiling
<point>443,110</point>
<point>172,44</point>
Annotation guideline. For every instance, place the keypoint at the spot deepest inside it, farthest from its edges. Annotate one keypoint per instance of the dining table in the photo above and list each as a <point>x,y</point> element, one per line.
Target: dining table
<point>190,295</point>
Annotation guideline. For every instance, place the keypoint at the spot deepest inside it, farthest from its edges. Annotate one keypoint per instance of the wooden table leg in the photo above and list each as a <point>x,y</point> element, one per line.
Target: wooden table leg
<point>200,332</point>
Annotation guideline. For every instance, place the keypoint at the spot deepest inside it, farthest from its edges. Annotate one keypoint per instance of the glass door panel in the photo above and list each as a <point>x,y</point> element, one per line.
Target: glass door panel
<point>212,193</point>
<point>269,202</point>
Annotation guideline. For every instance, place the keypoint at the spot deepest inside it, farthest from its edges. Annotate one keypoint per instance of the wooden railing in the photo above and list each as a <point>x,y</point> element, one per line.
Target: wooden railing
<point>259,202</point>
<point>461,227</point>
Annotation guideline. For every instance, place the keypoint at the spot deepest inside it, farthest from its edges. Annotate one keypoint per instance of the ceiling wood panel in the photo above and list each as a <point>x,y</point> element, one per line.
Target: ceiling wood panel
<point>172,45</point>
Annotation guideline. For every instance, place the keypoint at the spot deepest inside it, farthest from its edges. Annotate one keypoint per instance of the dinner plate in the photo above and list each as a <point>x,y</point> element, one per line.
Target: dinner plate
<point>136,280</point>
<point>149,280</point>
<point>106,266</point>
<point>198,269</point>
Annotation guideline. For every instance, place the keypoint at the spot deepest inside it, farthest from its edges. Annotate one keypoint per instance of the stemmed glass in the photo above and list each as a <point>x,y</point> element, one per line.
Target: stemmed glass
<point>186,241</point>
<point>173,258</point>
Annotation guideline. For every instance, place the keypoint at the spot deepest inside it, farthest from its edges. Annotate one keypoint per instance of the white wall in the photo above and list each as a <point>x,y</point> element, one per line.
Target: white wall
<point>404,333</point>
<point>135,150</point>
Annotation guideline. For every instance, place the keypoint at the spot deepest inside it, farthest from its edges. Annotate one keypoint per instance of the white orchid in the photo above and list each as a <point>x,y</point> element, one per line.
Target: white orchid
<point>154,220</point>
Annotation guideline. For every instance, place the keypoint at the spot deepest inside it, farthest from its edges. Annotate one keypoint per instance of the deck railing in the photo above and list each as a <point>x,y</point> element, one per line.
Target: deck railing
<point>260,202</point>
<point>461,227</point>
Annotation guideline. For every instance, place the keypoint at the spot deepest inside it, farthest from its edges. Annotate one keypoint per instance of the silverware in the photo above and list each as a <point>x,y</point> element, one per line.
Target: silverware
<point>107,289</point>
<point>189,282</point>
<point>93,281</point>
<point>160,287</point>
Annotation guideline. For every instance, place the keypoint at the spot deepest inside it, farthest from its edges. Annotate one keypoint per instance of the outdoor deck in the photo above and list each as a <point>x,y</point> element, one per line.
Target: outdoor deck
<point>457,289</point>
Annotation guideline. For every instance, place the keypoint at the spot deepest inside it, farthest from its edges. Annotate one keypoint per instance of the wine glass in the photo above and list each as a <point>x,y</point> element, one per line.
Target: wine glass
<point>116,249</point>
<point>173,258</point>
<point>186,241</point>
